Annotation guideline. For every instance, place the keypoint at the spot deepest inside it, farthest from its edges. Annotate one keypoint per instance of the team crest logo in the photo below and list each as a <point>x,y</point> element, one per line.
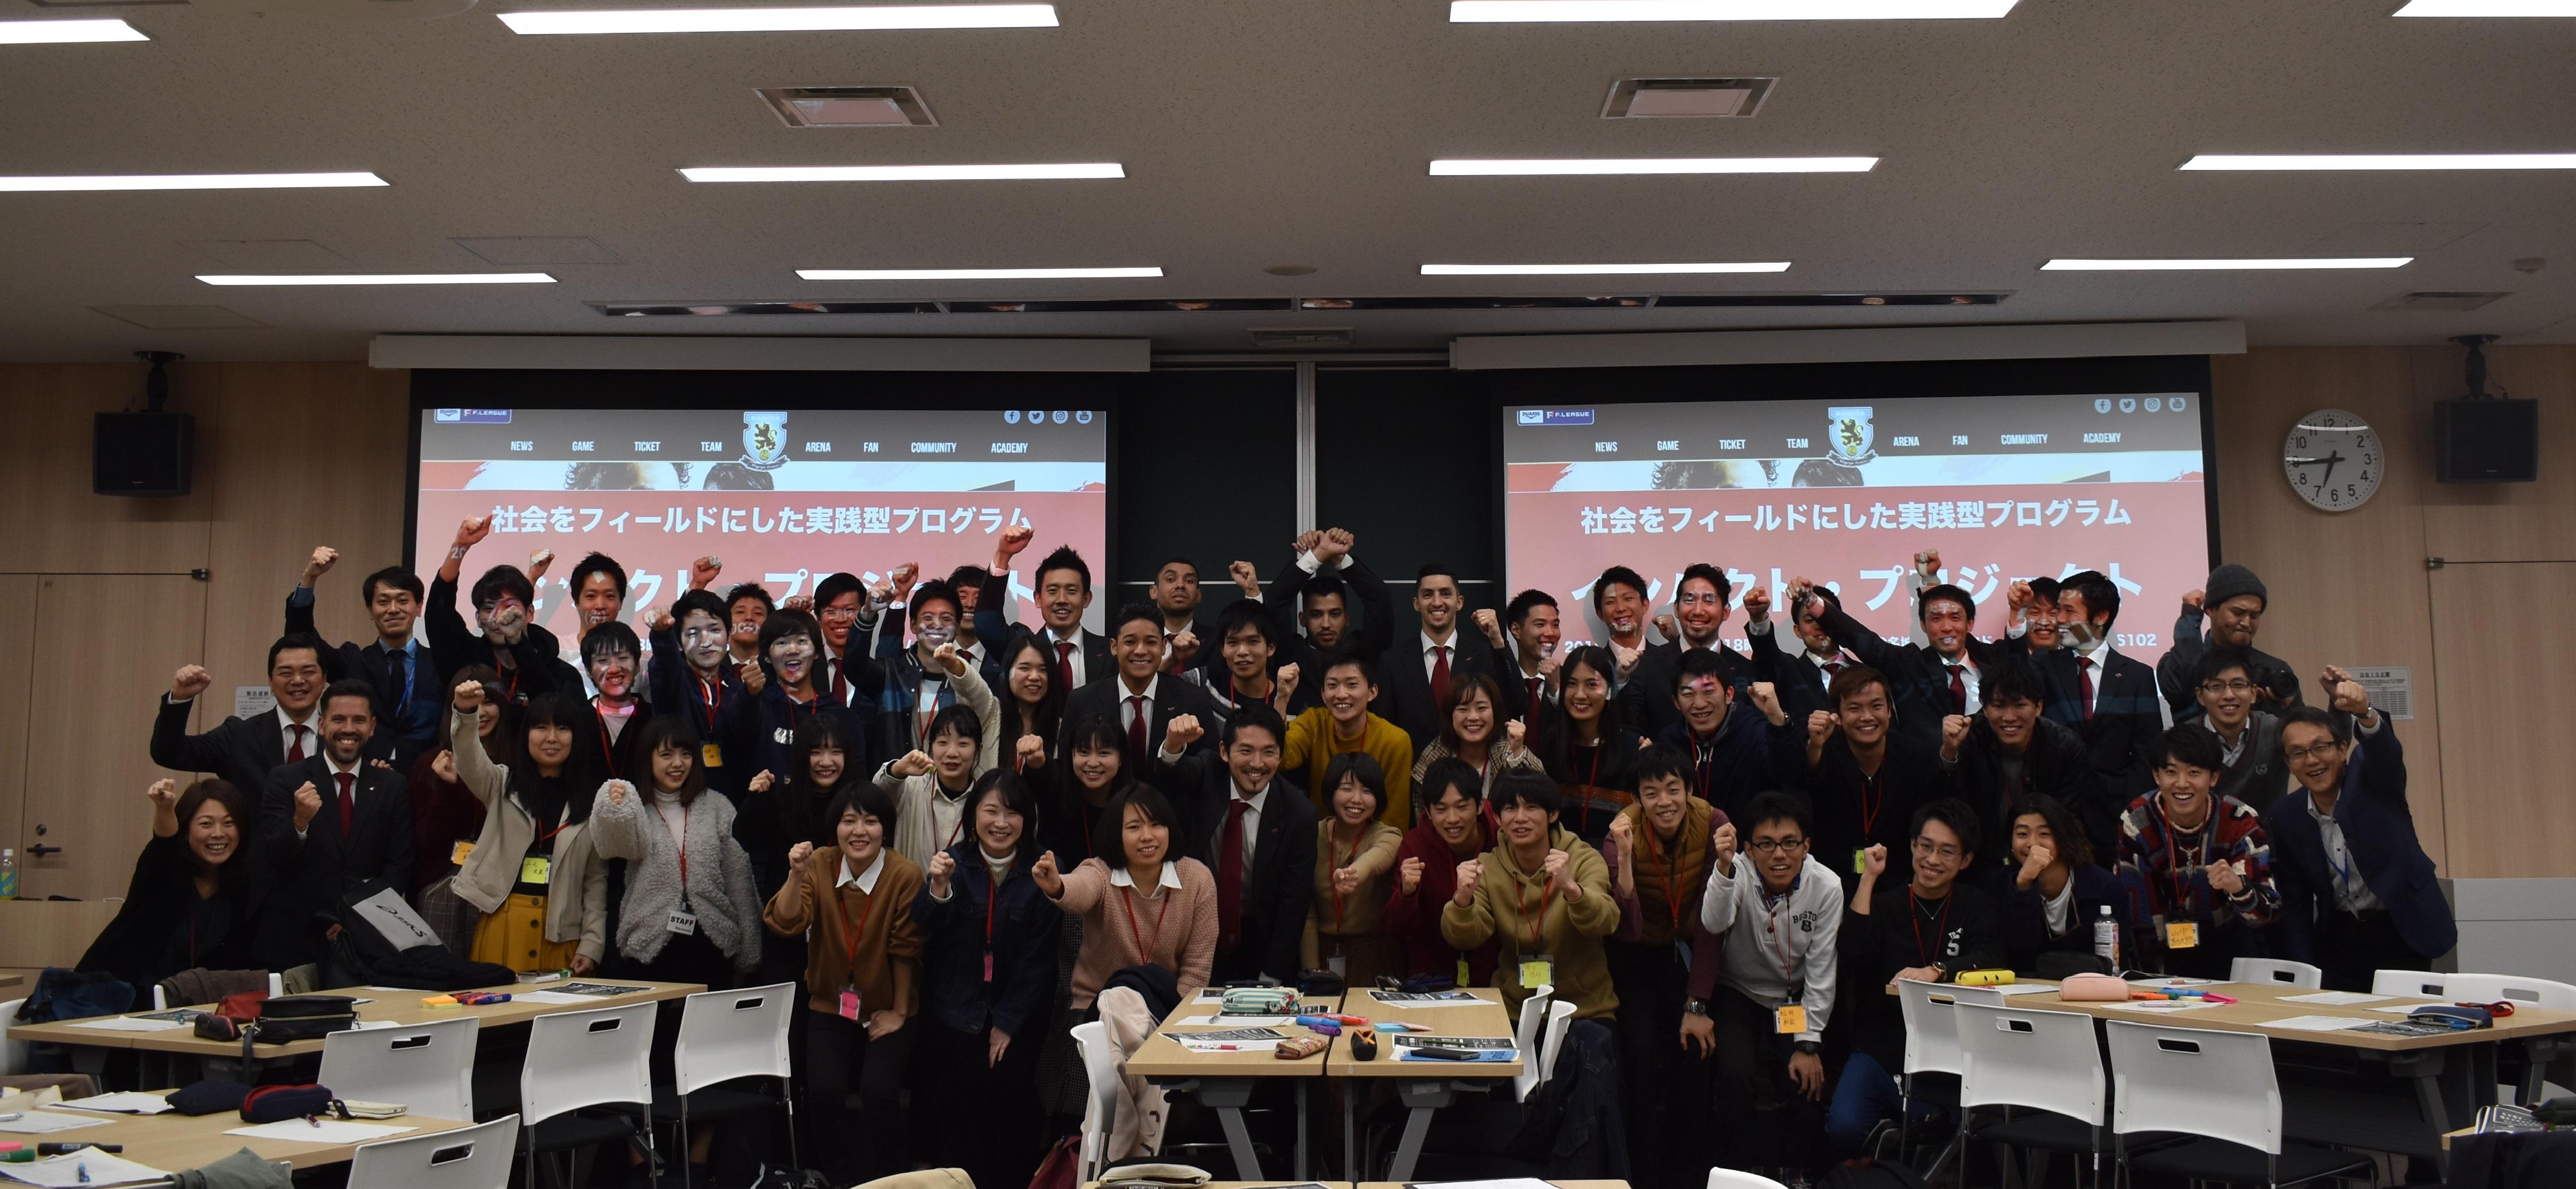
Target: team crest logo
<point>1850,433</point>
<point>764,440</point>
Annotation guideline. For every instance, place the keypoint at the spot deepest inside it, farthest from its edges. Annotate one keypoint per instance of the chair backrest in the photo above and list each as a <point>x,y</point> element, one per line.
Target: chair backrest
<point>1100,1061</point>
<point>587,1058</point>
<point>2410,982</point>
<point>428,1068</point>
<point>1531,1038</point>
<point>2046,1060</point>
<point>2276,972</point>
<point>1931,1036</point>
<point>733,1034</point>
<point>1727,1178</point>
<point>2194,1082</point>
<point>2538,992</point>
<point>13,1053</point>
<point>1560,1016</point>
<point>473,1158</point>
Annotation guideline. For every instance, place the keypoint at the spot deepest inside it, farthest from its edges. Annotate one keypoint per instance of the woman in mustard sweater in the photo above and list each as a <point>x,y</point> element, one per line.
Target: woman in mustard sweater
<point>1354,854</point>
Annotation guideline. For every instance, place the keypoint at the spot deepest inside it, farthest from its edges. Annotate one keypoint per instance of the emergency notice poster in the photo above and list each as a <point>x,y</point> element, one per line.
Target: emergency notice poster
<point>1846,492</point>
<point>781,498</point>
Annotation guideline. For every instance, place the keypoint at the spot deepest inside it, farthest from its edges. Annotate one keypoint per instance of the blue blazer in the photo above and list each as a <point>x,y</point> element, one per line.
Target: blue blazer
<point>2379,830</point>
<point>1025,928</point>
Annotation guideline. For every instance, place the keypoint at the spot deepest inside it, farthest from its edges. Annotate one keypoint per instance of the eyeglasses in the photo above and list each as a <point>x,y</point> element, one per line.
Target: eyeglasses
<point>1764,846</point>
<point>2238,686</point>
<point>1943,851</point>
<point>2320,751</point>
<point>836,614</point>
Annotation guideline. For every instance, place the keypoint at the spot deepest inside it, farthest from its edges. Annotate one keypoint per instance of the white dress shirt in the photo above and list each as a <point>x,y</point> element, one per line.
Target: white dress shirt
<point>2100,653</point>
<point>1252,803</point>
<point>286,725</point>
<point>867,880</point>
<point>1431,654</point>
<point>1171,877</point>
<point>1127,708</point>
<point>1073,660</point>
<point>331,791</point>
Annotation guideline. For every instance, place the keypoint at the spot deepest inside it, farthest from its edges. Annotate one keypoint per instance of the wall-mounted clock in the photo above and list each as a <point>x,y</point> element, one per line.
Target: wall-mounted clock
<point>2332,459</point>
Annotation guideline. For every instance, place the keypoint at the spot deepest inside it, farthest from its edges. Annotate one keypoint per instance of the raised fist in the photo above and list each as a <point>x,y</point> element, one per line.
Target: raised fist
<point>904,576</point>
<point>616,791</point>
<point>1722,845</point>
<point>1514,731</point>
<point>472,530</point>
<point>1014,539</point>
<point>940,867</point>
<point>1411,875</point>
<point>469,696</point>
<point>1626,659</point>
<point>164,793</point>
<point>657,619</point>
<point>752,676</point>
<point>2017,595</point>
<point>1287,679</point>
<point>1183,643</point>
<point>1245,576</point>
<point>2193,599</point>
<point>1664,627</point>
<point>1181,732</point>
<point>1954,731</point>
<point>798,855</point>
<point>703,571</point>
<point>1766,698</point>
<point>2344,693</point>
<point>1548,666</point>
<point>443,765</point>
<point>324,557</point>
<point>761,781</point>
<point>1491,624</point>
<point>1306,541</point>
<point>1044,872</point>
<point>190,681</point>
<point>537,564</point>
<point>308,802</point>
<point>1874,860</point>
<point>949,659</point>
<point>2224,879</point>
<point>804,603</point>
<point>1928,564</point>
<point>1468,873</point>
<point>1032,751</point>
<point>1623,832</point>
<point>1757,602</point>
<point>1821,725</point>
<point>913,763</point>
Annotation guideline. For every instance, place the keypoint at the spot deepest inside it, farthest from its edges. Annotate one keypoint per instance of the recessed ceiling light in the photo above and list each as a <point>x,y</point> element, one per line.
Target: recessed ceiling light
<point>2488,8</point>
<point>969,274</point>
<point>1598,165</point>
<point>2220,264</point>
<point>784,20</point>
<point>1483,11</point>
<point>2383,161</point>
<point>1566,270</point>
<point>66,32</point>
<point>387,278</point>
<point>189,181</point>
<point>904,173</point>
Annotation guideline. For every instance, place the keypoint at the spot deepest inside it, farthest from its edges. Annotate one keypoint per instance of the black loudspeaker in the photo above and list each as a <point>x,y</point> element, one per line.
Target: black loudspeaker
<point>2486,441</point>
<point>141,453</point>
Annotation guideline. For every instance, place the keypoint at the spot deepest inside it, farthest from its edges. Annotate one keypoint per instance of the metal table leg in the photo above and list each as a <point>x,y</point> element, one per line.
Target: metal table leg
<point>1350,1148</point>
<point>1228,1097</point>
<point>1299,1163</point>
<point>1420,1100</point>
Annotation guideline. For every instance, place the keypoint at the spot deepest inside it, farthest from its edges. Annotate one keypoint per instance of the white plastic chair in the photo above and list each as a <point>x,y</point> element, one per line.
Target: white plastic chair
<point>428,1068</point>
<point>2491,988</point>
<point>1931,1042</point>
<point>473,1158</point>
<point>2219,1086</point>
<point>2411,982</point>
<point>1727,1178</point>
<point>13,1053</point>
<point>1560,1016</point>
<point>1100,1067</point>
<point>726,1035</point>
<point>600,1057</point>
<point>2038,1060</point>
<point>1530,1035</point>
<point>2276,972</point>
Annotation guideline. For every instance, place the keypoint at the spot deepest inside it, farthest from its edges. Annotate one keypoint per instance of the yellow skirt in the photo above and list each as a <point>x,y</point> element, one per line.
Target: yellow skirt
<point>514,935</point>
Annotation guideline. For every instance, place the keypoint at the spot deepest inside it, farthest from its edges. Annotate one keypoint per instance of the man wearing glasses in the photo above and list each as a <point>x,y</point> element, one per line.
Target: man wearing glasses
<point>2357,891</point>
<point>2249,740</point>
<point>1778,912</point>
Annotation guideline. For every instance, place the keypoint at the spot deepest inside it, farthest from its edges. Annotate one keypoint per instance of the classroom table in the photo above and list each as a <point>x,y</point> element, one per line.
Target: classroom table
<point>1225,1081</point>
<point>1422,1086</point>
<point>1557,1184</point>
<point>175,1142</point>
<point>12,981</point>
<point>2451,1074</point>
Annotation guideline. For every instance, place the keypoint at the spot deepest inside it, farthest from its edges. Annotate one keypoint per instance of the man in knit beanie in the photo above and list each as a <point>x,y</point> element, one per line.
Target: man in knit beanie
<point>2233,600</point>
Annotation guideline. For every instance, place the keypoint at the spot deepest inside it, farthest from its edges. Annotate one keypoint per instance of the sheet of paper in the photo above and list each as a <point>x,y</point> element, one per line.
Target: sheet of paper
<point>125,1102</point>
<point>2157,1006</point>
<point>1505,1183</point>
<point>1229,1036</point>
<point>2318,1023</point>
<point>1425,998</point>
<point>321,1131</point>
<point>2176,981</point>
<point>2011,989</point>
<point>46,1123</point>
<point>363,1025</point>
<point>2336,998</point>
<point>2404,1008</point>
<point>1191,1044</point>
<point>550,997</point>
<point>129,1024</point>
<point>1209,1021</point>
<point>1482,1056</point>
<point>89,1167</point>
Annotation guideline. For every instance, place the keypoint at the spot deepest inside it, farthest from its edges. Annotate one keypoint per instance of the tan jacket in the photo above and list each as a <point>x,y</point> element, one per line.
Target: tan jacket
<point>1569,933</point>
<point>1374,859</point>
<point>576,882</point>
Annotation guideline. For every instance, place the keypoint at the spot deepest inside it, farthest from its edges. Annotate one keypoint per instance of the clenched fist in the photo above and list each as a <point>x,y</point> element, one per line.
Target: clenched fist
<point>753,678</point>
<point>761,781</point>
<point>1722,845</point>
<point>1245,576</point>
<point>1954,731</point>
<point>2194,599</point>
<point>616,791</point>
<point>190,681</point>
<point>308,804</point>
<point>937,871</point>
<point>1624,833</point>
<point>1014,539</point>
<point>950,659</point>
<point>1821,725</point>
<point>1664,627</point>
<point>164,793</point>
<point>1766,698</point>
<point>703,571</point>
<point>443,766</point>
<point>798,856</point>
<point>1286,678</point>
<point>324,557</point>
<point>1048,881</point>
<point>472,530</point>
<point>1757,603</point>
<point>1557,876</point>
<point>468,696</point>
<point>2344,693</point>
<point>1873,862</point>
<point>1411,875</point>
<point>1514,731</point>
<point>1469,873</point>
<point>1181,732</point>
<point>1032,749</point>
<point>913,763</point>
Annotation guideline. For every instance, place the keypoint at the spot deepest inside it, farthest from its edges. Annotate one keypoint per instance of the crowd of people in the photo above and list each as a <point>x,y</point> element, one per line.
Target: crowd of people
<point>954,830</point>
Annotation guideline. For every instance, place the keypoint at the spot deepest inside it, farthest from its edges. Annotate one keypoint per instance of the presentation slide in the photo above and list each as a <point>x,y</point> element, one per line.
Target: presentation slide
<point>782,498</point>
<point>1846,492</point>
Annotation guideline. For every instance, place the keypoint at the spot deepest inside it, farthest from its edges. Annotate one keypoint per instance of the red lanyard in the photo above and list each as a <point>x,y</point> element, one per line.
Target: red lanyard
<point>713,697</point>
<point>1872,799</point>
<point>1914,917</point>
<point>607,746</point>
<point>1127,900</point>
<point>867,904</point>
<point>992,896</point>
<point>1538,924</point>
<point>1591,782</point>
<point>1340,861</point>
<point>1664,859</point>
<point>956,831</point>
<point>1771,929</point>
<point>684,842</point>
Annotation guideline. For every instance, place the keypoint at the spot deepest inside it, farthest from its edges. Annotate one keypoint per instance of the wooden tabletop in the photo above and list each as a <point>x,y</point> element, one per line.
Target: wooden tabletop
<point>1558,1184</point>
<point>1163,1057</point>
<point>8,981</point>
<point>2258,1004</point>
<point>1253,1184</point>
<point>387,1004</point>
<point>176,1142</point>
<point>1489,1018</point>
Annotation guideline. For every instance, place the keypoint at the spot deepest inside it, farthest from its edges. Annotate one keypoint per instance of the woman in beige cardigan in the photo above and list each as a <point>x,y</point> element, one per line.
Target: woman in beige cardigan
<point>1354,853</point>
<point>533,871</point>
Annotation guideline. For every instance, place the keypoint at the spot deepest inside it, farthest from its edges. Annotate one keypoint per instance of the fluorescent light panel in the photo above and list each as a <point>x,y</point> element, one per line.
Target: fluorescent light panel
<point>66,32</point>
<point>188,181</point>
<point>1555,11</point>
<point>904,173</point>
<point>2305,161</point>
<point>783,20</point>
<point>2489,8</point>
<point>2224,264</point>
<point>385,278</point>
<point>969,274</point>
<point>1579,270</point>
<point>1610,165</point>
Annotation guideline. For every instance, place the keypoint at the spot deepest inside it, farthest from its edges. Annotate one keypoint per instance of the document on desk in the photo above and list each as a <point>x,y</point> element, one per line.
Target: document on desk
<point>2010,989</point>
<point>1504,1183</point>
<point>87,1167</point>
<point>321,1131</point>
<point>129,1024</point>
<point>1234,1021</point>
<point>2318,1023</point>
<point>1235,1036</point>
<point>2161,1006</point>
<point>1425,998</point>
<point>2405,1008</point>
<point>549,997</point>
<point>46,1123</point>
<point>2337,998</point>
<point>2151,982</point>
<point>125,1102</point>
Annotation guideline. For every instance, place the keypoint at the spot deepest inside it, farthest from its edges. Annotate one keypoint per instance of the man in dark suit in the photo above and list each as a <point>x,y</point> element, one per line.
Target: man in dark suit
<point>1699,609</point>
<point>527,656</point>
<point>1141,698</point>
<point>332,821</point>
<point>1064,592</point>
<point>2358,893</point>
<point>401,669</point>
<point>1319,587</point>
<point>1801,668</point>
<point>2007,751</point>
<point>1251,827</point>
<point>2109,700</point>
<point>1933,680</point>
<point>243,751</point>
<point>1418,674</point>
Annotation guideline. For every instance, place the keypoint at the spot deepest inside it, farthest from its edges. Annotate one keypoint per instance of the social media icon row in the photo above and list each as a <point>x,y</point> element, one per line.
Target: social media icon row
<point>1041,416</point>
<point>2129,404</point>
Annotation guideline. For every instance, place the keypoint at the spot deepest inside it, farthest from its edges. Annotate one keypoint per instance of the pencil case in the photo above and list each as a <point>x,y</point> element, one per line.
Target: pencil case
<point>1296,1047</point>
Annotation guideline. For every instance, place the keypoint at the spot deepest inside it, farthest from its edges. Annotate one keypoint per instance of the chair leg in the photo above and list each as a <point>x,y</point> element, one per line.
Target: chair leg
<point>787,1094</point>
<point>684,1143</point>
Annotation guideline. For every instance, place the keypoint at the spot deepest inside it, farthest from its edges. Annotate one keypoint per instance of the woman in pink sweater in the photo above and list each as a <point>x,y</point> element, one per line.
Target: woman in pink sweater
<point>1152,908</point>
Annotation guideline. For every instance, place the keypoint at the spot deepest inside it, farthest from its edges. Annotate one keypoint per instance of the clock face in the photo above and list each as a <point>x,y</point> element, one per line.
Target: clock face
<point>2333,460</point>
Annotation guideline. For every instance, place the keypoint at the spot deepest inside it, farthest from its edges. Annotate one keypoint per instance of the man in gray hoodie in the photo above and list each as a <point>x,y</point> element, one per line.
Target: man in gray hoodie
<point>1778,912</point>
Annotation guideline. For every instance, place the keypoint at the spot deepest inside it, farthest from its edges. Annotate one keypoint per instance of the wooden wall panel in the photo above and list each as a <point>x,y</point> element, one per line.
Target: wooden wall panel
<point>17,686</point>
<point>2508,806</point>
<point>116,637</point>
<point>57,525</point>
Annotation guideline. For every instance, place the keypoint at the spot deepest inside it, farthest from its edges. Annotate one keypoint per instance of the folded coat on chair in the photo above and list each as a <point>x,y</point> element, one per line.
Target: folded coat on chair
<point>1137,1127</point>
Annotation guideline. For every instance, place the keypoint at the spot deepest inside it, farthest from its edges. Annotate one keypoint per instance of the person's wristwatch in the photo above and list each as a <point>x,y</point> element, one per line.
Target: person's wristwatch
<point>1695,1007</point>
<point>1809,1047</point>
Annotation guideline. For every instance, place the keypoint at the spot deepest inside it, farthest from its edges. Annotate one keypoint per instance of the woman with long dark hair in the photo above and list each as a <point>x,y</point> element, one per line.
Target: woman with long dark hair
<point>196,894</point>
<point>533,871</point>
<point>1032,706</point>
<point>1587,751</point>
<point>1474,731</point>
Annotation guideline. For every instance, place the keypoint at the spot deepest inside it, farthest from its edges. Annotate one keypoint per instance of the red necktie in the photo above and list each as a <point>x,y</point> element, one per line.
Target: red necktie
<point>840,684</point>
<point>1440,675</point>
<point>1229,877</point>
<point>2084,684</point>
<point>1136,754</point>
<point>1064,666</point>
<point>348,802</point>
<point>295,751</point>
<point>1532,713</point>
<point>1832,668</point>
<point>1958,690</point>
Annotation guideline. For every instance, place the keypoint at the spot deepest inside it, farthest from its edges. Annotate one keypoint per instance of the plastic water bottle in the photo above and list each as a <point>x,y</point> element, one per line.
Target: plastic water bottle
<point>2106,938</point>
<point>8,875</point>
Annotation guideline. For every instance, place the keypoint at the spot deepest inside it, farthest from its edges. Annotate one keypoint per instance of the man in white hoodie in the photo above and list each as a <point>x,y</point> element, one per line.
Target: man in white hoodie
<point>1777,914</point>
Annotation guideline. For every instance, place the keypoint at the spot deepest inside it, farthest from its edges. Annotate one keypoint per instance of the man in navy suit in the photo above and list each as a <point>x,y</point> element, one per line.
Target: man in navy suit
<point>1255,830</point>
<point>1081,656</point>
<point>1419,673</point>
<point>2109,700</point>
<point>332,821</point>
<point>1138,697</point>
<point>2358,893</point>
<point>244,750</point>
<point>401,668</point>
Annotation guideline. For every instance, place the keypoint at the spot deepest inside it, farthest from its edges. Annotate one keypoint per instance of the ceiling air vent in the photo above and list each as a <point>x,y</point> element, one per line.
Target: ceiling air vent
<point>849,107</point>
<point>1301,336</point>
<point>1685,98</point>
<point>2440,302</point>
